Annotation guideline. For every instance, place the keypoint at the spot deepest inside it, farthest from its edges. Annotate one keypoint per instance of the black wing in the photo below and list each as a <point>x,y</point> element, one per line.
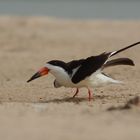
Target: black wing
<point>89,66</point>
<point>75,63</point>
<point>119,61</point>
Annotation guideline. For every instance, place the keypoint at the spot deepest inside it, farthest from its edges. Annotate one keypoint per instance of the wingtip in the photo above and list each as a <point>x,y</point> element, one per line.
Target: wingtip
<point>133,64</point>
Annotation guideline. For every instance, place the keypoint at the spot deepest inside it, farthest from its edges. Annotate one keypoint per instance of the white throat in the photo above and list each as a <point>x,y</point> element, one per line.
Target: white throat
<point>60,74</point>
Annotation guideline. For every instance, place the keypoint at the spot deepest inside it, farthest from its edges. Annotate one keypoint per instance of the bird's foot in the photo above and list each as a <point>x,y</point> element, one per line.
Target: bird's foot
<point>89,95</point>
<point>76,93</point>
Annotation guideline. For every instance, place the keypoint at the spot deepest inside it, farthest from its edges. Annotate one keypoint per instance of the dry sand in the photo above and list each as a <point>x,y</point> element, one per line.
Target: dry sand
<point>36,110</point>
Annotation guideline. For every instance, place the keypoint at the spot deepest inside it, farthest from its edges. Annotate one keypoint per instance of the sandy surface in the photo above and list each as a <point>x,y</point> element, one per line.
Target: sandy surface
<point>36,110</point>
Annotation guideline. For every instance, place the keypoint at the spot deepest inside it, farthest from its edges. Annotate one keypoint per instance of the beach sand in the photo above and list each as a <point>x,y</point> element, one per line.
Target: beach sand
<point>38,111</point>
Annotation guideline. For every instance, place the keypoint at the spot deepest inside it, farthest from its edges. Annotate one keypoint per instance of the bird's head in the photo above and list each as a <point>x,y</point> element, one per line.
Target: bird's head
<point>54,67</point>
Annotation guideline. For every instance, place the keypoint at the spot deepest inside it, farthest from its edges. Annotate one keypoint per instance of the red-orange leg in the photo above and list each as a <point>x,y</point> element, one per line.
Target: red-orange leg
<point>77,90</point>
<point>89,95</point>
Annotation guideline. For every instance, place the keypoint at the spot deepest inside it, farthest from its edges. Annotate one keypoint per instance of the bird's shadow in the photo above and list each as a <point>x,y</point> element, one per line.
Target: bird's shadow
<point>66,99</point>
<point>75,100</point>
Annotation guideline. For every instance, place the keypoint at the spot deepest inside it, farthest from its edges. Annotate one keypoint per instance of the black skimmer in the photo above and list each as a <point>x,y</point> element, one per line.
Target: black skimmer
<point>86,73</point>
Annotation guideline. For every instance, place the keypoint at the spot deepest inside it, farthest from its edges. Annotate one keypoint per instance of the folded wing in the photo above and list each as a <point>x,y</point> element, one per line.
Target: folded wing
<point>89,66</point>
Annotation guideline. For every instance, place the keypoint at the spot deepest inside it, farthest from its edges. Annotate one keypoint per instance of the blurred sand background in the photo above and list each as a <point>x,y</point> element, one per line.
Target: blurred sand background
<point>36,110</point>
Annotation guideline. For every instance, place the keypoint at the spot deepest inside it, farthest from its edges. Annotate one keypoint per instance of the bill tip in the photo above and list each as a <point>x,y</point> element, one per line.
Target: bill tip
<point>28,80</point>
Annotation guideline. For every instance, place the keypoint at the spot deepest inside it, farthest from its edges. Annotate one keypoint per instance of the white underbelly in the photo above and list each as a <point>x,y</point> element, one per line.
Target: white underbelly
<point>101,80</point>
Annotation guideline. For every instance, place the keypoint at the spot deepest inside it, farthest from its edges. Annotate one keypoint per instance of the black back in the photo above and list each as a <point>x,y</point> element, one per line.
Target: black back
<point>75,63</point>
<point>89,66</point>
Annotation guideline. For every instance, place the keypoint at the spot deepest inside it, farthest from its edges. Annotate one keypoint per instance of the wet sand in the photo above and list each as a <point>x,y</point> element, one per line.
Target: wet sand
<point>37,110</point>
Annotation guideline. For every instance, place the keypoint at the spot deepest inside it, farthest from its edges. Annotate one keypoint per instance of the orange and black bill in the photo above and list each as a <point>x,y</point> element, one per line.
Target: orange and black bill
<point>43,71</point>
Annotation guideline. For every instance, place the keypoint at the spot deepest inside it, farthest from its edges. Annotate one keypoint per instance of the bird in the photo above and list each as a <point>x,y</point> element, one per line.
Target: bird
<point>87,73</point>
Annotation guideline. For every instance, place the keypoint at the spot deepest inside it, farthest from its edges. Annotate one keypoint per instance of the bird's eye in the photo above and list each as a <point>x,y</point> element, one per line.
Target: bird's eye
<point>54,63</point>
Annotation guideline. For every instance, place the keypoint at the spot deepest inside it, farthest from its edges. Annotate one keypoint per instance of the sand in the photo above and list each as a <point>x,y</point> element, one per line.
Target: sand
<point>38,111</point>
